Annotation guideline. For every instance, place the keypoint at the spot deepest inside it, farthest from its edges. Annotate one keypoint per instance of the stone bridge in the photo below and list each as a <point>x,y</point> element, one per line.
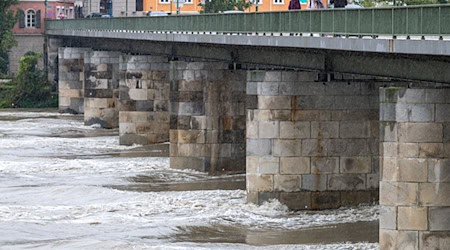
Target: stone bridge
<point>316,118</point>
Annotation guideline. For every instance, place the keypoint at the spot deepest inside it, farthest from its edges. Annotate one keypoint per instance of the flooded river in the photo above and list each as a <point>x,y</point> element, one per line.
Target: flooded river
<point>64,185</point>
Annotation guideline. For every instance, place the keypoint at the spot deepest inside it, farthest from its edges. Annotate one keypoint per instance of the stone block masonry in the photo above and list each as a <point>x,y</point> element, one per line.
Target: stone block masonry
<point>71,79</point>
<point>415,185</point>
<point>53,45</point>
<point>312,144</point>
<point>101,88</point>
<point>207,117</point>
<point>144,99</point>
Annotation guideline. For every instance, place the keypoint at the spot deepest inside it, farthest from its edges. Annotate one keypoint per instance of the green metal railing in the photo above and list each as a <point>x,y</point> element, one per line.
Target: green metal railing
<point>396,21</point>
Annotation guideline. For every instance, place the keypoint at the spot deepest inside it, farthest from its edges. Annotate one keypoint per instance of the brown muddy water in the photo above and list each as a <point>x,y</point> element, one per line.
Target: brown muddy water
<point>348,232</point>
<point>366,231</point>
<point>67,186</point>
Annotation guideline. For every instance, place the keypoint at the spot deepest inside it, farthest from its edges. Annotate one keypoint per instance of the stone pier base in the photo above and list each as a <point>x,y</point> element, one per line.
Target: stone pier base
<point>101,88</point>
<point>207,122</point>
<point>415,186</point>
<point>144,99</point>
<point>53,48</point>
<point>312,144</point>
<point>71,79</point>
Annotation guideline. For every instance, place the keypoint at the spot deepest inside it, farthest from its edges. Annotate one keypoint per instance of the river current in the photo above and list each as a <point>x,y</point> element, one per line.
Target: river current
<point>64,185</point>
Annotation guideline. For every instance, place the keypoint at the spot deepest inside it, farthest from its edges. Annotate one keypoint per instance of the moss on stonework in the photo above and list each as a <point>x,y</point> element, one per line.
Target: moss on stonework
<point>390,124</point>
<point>391,94</point>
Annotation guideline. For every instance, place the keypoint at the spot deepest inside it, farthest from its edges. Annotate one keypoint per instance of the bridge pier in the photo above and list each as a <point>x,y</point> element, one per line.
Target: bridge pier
<point>144,99</point>
<point>415,185</point>
<point>207,117</point>
<point>312,144</point>
<point>71,79</point>
<point>101,88</point>
<point>53,46</point>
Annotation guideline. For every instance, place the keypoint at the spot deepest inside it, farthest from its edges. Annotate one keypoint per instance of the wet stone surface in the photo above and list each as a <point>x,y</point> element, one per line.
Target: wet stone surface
<point>152,184</point>
<point>349,232</point>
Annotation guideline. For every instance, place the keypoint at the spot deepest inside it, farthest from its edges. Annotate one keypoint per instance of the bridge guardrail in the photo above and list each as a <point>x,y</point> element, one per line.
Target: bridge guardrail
<point>424,20</point>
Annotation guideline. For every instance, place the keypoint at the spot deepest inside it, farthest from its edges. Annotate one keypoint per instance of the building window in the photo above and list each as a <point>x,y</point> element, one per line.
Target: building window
<point>30,19</point>
<point>70,15</point>
<point>278,1</point>
<point>188,1</point>
<point>257,2</point>
<point>164,1</point>
<point>103,7</point>
<point>139,5</point>
<point>58,12</point>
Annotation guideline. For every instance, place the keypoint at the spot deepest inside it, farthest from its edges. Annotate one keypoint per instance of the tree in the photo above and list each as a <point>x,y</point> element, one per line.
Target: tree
<point>377,3</point>
<point>8,19</point>
<point>3,62</point>
<point>216,6</point>
<point>32,88</point>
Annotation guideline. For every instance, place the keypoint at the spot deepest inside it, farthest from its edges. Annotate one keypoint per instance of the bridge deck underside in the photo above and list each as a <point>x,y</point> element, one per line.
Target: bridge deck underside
<point>428,68</point>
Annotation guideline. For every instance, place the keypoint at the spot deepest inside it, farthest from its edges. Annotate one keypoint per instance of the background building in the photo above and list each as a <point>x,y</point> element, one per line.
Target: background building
<point>118,8</point>
<point>115,8</point>
<point>29,29</point>
<point>189,6</point>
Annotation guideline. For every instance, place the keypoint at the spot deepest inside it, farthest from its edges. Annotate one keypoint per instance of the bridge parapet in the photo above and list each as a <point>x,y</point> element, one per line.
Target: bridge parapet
<point>394,21</point>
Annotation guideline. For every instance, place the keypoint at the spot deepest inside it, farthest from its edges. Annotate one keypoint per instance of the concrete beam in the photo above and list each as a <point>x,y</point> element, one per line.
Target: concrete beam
<point>280,40</point>
<point>403,66</point>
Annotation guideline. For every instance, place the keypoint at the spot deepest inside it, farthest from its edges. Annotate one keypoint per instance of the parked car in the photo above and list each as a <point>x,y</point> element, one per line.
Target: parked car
<point>232,11</point>
<point>94,15</point>
<point>157,13</point>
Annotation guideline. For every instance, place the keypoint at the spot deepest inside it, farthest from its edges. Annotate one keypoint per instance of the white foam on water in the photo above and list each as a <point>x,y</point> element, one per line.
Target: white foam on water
<point>51,197</point>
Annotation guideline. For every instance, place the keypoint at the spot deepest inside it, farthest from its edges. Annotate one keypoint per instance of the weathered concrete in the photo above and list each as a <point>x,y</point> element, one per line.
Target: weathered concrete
<point>407,46</point>
<point>415,188</point>
<point>71,79</point>
<point>207,122</point>
<point>312,144</point>
<point>144,99</point>
<point>101,88</point>
<point>407,59</point>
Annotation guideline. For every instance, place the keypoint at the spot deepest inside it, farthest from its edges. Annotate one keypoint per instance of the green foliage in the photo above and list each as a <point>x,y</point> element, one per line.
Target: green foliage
<point>30,88</point>
<point>415,2</point>
<point>7,90</point>
<point>3,63</point>
<point>7,20</point>
<point>380,3</point>
<point>216,6</point>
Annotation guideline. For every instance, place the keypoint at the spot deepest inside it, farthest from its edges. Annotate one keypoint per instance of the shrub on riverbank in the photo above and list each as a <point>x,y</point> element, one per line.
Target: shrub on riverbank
<point>3,63</point>
<point>30,88</point>
<point>6,93</point>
